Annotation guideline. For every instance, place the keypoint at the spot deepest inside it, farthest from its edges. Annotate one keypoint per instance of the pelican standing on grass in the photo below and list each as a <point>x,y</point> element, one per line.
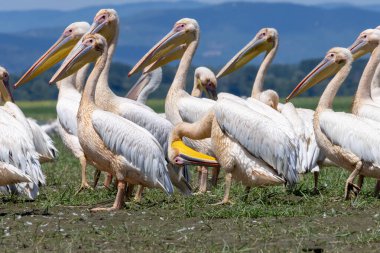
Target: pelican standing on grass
<point>299,120</point>
<point>179,105</point>
<point>227,123</point>
<point>69,95</point>
<point>108,140</point>
<point>350,141</point>
<point>106,23</point>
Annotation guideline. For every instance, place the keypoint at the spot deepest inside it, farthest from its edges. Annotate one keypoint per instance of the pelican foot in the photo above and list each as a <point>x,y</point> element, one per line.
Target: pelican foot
<point>316,191</point>
<point>104,209</point>
<point>350,187</point>
<point>223,202</point>
<point>200,193</point>
<point>83,186</point>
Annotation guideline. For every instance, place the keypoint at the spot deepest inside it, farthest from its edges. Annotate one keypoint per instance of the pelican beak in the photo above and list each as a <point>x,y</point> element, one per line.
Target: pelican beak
<point>323,70</point>
<point>173,39</point>
<point>52,56</point>
<point>210,90</point>
<point>249,52</point>
<point>74,61</point>
<point>135,91</point>
<point>358,48</point>
<point>173,55</point>
<point>188,156</point>
<point>5,91</point>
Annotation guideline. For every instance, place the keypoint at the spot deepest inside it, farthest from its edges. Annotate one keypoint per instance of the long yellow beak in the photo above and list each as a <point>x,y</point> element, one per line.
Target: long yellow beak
<point>136,89</point>
<point>74,61</point>
<point>164,47</point>
<point>52,56</point>
<point>249,52</point>
<point>322,71</point>
<point>188,156</point>
<point>5,91</point>
<point>173,55</point>
<point>358,48</point>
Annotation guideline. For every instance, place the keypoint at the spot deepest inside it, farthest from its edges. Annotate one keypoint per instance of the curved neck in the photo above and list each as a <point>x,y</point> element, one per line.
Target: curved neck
<point>259,80</point>
<point>364,88</point>
<point>81,77</point>
<point>327,98</point>
<point>375,85</point>
<point>179,81</point>
<point>68,82</point>
<point>88,96</point>
<point>196,92</point>
<point>103,86</point>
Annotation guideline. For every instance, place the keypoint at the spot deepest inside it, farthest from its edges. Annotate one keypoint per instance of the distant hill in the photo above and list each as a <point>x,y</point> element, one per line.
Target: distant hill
<point>305,31</point>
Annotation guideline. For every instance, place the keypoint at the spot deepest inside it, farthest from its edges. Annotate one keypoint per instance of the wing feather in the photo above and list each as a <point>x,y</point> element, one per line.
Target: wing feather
<point>135,144</point>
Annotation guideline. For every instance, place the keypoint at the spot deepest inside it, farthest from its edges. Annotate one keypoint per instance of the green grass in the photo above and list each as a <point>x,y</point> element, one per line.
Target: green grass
<point>273,219</point>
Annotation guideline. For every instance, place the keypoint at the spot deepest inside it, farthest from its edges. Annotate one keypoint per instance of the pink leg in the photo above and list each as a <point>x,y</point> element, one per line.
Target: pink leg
<point>119,200</point>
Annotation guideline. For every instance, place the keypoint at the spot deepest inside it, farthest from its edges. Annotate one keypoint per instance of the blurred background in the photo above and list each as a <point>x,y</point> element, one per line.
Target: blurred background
<point>307,30</point>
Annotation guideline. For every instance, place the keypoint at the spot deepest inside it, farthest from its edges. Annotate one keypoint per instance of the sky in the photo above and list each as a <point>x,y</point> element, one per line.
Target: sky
<point>76,4</point>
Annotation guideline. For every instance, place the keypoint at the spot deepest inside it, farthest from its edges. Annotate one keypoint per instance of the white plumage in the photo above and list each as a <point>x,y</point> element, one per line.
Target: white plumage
<point>139,148</point>
<point>260,135</point>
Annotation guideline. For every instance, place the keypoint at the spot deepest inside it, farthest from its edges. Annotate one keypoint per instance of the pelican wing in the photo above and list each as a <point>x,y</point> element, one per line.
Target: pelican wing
<point>146,118</point>
<point>43,143</point>
<point>138,147</point>
<point>17,149</point>
<point>67,109</point>
<point>193,109</point>
<point>260,136</point>
<point>9,174</point>
<point>358,135</point>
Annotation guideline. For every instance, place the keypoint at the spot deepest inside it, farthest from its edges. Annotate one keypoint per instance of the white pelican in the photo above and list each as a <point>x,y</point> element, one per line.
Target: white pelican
<point>147,84</point>
<point>106,23</point>
<point>179,105</point>
<point>300,120</point>
<point>350,141</point>
<point>235,130</point>
<point>19,159</point>
<point>114,143</point>
<point>68,96</point>
<point>234,127</point>
<point>365,101</point>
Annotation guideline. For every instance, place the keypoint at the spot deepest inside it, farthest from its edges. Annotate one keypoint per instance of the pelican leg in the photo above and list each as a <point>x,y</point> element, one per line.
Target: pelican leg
<point>203,181</point>
<point>84,184</point>
<point>360,181</point>
<point>119,200</point>
<point>316,176</point>
<point>97,174</point>
<point>226,198</point>
<point>215,175</point>
<point>107,181</point>
<point>350,186</point>
<point>139,192</point>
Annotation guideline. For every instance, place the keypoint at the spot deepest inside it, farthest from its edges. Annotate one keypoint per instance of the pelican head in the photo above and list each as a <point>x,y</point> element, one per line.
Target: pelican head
<point>5,92</point>
<point>106,22</point>
<point>205,80</point>
<point>264,41</point>
<point>185,31</point>
<point>334,60</point>
<point>365,43</point>
<point>57,52</point>
<point>89,50</point>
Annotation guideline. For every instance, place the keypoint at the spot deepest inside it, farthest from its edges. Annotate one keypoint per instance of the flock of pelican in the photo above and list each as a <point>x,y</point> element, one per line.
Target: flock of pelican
<point>257,141</point>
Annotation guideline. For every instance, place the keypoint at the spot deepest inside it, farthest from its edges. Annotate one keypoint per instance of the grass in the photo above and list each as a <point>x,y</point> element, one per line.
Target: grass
<point>271,220</point>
